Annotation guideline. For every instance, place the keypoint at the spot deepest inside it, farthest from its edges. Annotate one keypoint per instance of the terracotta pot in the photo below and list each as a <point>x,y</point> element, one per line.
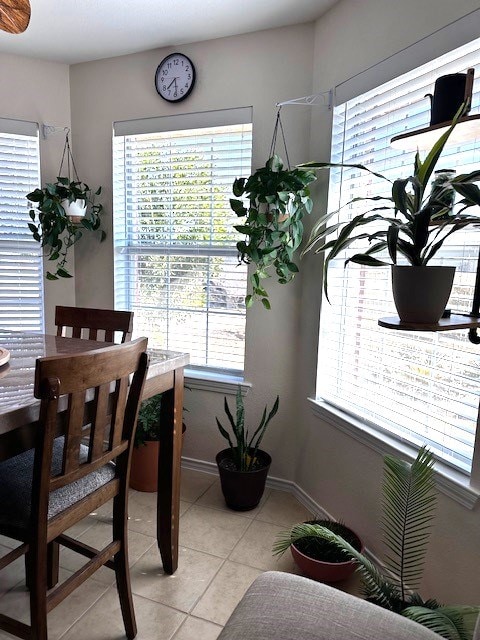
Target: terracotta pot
<point>324,571</point>
<point>242,490</point>
<point>144,469</point>
<point>421,293</point>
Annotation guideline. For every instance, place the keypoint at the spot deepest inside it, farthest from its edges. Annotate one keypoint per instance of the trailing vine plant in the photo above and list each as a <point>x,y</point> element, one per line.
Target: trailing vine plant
<point>52,226</point>
<point>274,200</point>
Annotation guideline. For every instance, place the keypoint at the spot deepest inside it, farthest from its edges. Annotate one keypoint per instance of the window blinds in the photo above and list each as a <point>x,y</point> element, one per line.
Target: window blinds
<point>21,271</point>
<point>421,387</point>
<point>175,254</point>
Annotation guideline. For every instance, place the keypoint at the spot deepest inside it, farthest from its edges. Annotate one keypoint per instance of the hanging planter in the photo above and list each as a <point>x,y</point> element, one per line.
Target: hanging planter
<point>63,211</point>
<point>278,198</point>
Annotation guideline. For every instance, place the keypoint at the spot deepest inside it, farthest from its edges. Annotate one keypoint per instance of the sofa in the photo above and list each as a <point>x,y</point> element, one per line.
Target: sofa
<point>282,606</point>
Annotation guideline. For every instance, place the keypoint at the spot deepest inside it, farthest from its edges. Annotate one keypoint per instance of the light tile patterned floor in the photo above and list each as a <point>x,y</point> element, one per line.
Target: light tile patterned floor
<point>221,553</point>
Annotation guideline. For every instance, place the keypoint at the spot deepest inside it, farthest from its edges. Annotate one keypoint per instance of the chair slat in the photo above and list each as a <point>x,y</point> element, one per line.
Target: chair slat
<point>101,421</point>
<point>118,410</point>
<point>92,335</point>
<point>73,436</point>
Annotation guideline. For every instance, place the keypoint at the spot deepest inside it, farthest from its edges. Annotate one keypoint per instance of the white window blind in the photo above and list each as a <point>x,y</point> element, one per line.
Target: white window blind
<point>420,387</point>
<point>176,261</point>
<point>21,271</point>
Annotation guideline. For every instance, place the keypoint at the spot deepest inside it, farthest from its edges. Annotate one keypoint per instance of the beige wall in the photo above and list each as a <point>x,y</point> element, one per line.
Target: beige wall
<point>341,474</point>
<point>40,92</point>
<point>257,69</point>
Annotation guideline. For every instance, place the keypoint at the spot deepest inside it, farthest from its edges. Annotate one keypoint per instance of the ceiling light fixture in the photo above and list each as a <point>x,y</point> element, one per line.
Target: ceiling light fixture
<point>451,91</point>
<point>14,15</point>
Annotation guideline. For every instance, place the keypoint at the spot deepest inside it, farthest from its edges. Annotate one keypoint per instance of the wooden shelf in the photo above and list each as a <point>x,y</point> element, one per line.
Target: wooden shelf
<point>444,324</point>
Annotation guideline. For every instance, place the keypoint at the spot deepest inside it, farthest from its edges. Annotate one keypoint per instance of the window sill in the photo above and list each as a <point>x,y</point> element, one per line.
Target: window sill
<point>451,482</point>
<point>216,382</point>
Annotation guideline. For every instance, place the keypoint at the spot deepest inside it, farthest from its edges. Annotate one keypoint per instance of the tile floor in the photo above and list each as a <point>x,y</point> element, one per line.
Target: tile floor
<point>221,553</point>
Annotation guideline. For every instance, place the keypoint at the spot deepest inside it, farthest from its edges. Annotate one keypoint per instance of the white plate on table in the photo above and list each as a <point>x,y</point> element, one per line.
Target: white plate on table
<point>4,356</point>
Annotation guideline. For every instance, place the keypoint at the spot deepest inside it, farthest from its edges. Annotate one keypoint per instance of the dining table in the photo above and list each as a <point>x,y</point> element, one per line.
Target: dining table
<point>19,413</point>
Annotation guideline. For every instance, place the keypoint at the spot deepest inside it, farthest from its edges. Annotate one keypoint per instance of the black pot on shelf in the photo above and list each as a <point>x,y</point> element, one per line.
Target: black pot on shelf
<point>242,490</point>
<point>421,293</point>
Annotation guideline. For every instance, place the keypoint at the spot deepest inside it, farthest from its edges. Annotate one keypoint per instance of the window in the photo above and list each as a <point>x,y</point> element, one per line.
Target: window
<point>418,387</point>
<point>176,261</point>
<point>21,270</point>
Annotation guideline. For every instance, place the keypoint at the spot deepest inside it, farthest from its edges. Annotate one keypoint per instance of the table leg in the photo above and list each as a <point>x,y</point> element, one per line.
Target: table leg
<point>169,461</point>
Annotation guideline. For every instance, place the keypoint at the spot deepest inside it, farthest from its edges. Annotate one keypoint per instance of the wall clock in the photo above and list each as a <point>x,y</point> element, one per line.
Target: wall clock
<point>175,77</point>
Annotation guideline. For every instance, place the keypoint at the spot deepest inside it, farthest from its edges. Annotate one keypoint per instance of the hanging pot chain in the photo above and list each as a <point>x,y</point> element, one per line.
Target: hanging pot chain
<point>279,125</point>
<point>68,156</point>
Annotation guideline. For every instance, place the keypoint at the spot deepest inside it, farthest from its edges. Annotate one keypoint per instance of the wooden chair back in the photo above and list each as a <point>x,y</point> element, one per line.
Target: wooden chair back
<point>100,377</point>
<point>87,323</point>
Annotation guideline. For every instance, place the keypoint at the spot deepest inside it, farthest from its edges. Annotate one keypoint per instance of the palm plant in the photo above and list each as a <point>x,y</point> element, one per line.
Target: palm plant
<point>409,501</point>
<point>412,222</point>
<point>244,452</point>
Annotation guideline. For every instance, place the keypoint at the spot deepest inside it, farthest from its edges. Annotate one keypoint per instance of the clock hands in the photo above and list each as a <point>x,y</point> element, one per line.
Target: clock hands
<point>173,81</point>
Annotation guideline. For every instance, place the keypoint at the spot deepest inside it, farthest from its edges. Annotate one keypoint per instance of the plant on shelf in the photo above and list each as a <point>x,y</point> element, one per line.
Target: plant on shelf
<point>411,224</point>
<point>278,199</point>
<point>243,467</point>
<point>409,501</point>
<point>63,211</point>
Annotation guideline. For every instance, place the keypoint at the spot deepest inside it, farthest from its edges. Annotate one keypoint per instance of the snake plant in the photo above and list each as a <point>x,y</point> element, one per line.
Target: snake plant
<point>244,451</point>
<point>409,501</point>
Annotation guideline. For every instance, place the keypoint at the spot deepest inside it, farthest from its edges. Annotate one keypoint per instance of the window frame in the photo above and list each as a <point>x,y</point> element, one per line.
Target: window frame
<point>455,483</point>
<point>217,379</point>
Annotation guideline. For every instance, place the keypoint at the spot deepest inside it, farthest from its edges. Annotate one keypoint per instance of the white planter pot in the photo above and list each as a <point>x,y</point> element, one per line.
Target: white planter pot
<point>421,293</point>
<point>75,209</point>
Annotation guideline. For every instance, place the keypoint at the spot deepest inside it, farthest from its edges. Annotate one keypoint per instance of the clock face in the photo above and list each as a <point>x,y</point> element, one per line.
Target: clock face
<point>175,77</point>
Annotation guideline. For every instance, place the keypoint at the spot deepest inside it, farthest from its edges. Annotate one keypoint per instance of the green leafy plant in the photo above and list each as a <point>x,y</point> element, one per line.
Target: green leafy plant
<point>148,423</point>
<point>278,199</point>
<point>244,451</point>
<point>409,501</point>
<point>54,229</point>
<point>324,550</point>
<point>412,222</point>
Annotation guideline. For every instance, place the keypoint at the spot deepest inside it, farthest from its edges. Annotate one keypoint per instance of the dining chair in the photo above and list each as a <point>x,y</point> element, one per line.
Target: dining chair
<point>44,491</point>
<point>106,321</point>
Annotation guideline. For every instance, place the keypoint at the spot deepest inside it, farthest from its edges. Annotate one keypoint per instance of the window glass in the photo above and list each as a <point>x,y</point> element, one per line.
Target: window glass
<point>21,271</point>
<point>176,261</point>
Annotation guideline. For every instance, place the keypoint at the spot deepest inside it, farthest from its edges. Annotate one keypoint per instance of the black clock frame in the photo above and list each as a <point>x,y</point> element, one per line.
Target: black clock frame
<point>194,77</point>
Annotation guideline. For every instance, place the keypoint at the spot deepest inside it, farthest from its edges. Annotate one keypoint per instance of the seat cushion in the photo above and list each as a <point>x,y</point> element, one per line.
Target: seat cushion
<point>281,606</point>
<point>16,486</point>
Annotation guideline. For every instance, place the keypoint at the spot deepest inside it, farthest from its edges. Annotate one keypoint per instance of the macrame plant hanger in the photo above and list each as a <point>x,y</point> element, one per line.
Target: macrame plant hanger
<point>279,126</point>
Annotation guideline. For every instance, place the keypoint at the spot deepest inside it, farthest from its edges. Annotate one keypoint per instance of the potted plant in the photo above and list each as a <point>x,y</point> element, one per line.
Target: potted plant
<point>322,560</point>
<point>144,467</point>
<point>412,224</point>
<point>278,199</point>
<point>63,211</point>
<point>409,501</point>
<point>243,467</point>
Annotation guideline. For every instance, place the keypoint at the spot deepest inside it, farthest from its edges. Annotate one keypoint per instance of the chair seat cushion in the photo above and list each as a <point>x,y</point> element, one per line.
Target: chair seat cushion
<point>16,486</point>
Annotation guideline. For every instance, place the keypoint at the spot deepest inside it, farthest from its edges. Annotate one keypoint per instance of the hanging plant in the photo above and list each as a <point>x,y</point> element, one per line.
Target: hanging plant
<point>64,210</point>
<point>278,199</point>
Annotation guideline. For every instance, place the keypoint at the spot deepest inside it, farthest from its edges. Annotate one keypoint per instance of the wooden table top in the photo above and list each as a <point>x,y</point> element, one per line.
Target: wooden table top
<point>18,406</point>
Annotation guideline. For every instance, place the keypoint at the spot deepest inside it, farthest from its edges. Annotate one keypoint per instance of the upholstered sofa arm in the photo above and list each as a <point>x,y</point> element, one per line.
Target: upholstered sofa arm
<point>282,606</point>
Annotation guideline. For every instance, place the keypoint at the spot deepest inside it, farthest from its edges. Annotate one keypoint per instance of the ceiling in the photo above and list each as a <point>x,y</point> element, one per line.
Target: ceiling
<point>73,31</point>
